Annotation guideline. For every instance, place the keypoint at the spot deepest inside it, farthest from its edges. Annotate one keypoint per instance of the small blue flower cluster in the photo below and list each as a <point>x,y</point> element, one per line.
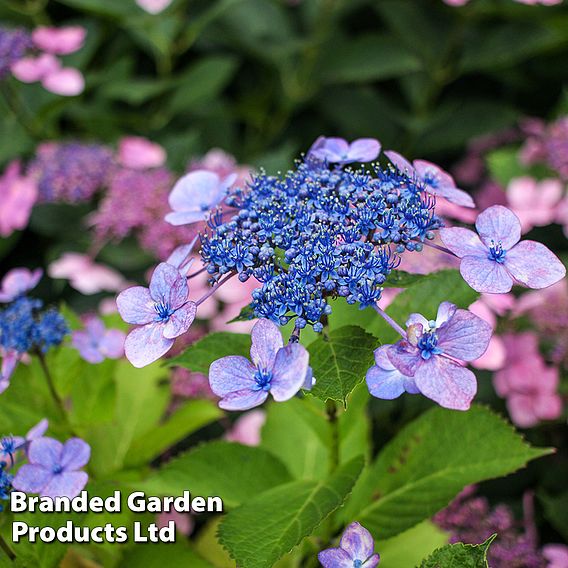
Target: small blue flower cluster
<point>318,232</point>
<point>13,46</point>
<point>7,450</point>
<point>24,328</point>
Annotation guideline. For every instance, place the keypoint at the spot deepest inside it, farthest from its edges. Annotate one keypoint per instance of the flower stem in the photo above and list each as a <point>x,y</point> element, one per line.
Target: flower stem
<point>214,289</point>
<point>331,410</point>
<point>390,321</point>
<point>6,548</point>
<point>438,247</point>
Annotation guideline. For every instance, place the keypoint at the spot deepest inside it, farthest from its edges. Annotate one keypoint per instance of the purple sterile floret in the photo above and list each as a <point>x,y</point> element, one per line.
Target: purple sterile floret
<point>339,151</point>
<point>356,550</point>
<point>53,468</point>
<point>385,380</point>
<point>17,282</point>
<point>195,194</point>
<point>34,433</point>
<point>431,356</point>
<point>435,179</point>
<point>163,311</point>
<point>96,343</point>
<point>493,259</point>
<point>276,369</point>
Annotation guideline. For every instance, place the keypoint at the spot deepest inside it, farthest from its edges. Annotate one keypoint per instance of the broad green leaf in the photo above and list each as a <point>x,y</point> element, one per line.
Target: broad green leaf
<point>199,356</point>
<point>430,461</point>
<point>556,511</point>
<point>299,434</point>
<point>204,81</point>
<point>411,546</point>
<point>234,472</point>
<point>340,361</point>
<point>192,416</point>
<point>504,165</point>
<point>109,8</point>
<point>262,530</point>
<point>367,58</point>
<point>459,556</point>
<point>158,555</point>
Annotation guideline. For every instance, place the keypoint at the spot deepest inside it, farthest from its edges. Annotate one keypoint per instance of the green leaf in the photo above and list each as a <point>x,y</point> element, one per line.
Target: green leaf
<point>261,531</point>
<point>158,555</point>
<point>234,472</point>
<point>340,361</point>
<point>402,279</point>
<point>192,416</point>
<point>459,556</point>
<point>204,81</point>
<point>430,461</point>
<point>556,511</point>
<point>411,546</point>
<point>504,165</point>
<point>199,356</point>
<point>367,58</point>
<point>246,314</point>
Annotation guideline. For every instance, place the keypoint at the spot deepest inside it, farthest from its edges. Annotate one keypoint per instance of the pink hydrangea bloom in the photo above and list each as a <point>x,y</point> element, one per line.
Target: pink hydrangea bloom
<point>153,6</point>
<point>85,275</point>
<point>140,154</point>
<point>66,81</point>
<point>556,555</point>
<point>562,214</point>
<point>32,69</point>
<point>528,384</point>
<point>18,195</point>
<point>534,203</point>
<point>246,430</point>
<point>59,41</point>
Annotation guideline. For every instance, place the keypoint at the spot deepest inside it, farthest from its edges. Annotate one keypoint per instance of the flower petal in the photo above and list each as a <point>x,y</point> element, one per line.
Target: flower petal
<point>230,374</point>
<point>146,344</point>
<point>289,372</point>
<point>168,286</point>
<point>112,344</point>
<point>364,150</point>
<point>499,224</point>
<point>357,541</point>
<point>46,452</point>
<point>372,562</point>
<point>485,275</point>
<point>401,163</point>
<point>446,310</point>
<point>335,558</point>
<point>243,399</point>
<point>178,218</point>
<point>331,149</point>
<point>446,382</point>
<point>534,265</point>
<point>180,321</point>
<point>266,341</point>
<point>383,379</point>
<point>404,357</point>
<point>464,336</point>
<point>38,430</point>
<point>67,82</point>
<point>414,319</point>
<point>76,454</point>
<point>196,191</point>
<point>32,478</point>
<point>135,305</point>
<point>463,242</point>
<point>66,484</point>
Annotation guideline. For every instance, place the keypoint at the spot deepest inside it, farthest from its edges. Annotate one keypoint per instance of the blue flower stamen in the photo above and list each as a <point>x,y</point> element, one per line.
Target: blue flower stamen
<point>496,252</point>
<point>163,310</point>
<point>263,380</point>
<point>428,345</point>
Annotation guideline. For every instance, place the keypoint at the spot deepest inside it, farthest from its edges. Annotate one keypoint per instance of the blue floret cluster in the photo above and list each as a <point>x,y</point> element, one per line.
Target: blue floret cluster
<point>25,327</point>
<point>318,232</point>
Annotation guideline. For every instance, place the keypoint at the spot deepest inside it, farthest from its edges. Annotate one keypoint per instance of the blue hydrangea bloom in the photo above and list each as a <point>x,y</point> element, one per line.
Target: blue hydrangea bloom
<point>318,232</point>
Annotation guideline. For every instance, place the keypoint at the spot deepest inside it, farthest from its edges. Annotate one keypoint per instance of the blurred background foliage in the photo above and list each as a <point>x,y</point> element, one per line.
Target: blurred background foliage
<point>262,78</point>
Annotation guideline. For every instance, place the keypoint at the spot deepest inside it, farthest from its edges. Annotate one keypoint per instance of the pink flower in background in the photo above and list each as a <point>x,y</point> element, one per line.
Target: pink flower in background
<point>562,215</point>
<point>548,144</point>
<point>67,81</point>
<point>183,522</point>
<point>534,203</point>
<point>528,384</point>
<point>18,195</point>
<point>456,2</point>
<point>96,343</point>
<point>246,430</point>
<point>32,69</point>
<point>59,41</point>
<point>140,154</point>
<point>556,555</point>
<point>17,282</point>
<point>85,275</point>
<point>153,6</point>
<point>191,385</point>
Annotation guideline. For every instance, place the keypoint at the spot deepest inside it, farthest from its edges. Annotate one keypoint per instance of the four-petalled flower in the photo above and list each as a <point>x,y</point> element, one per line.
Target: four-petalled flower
<point>275,369</point>
<point>339,151</point>
<point>494,259</point>
<point>356,550</point>
<point>163,311</point>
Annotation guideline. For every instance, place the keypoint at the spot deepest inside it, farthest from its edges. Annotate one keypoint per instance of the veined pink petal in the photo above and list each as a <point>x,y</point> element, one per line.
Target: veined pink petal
<point>463,242</point>
<point>66,484</point>
<point>498,224</point>
<point>243,399</point>
<point>400,162</point>
<point>135,305</point>
<point>146,344</point>
<point>230,374</point>
<point>180,321</point>
<point>534,265</point>
<point>357,541</point>
<point>266,342</point>
<point>290,369</point>
<point>485,275</point>
<point>169,286</point>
